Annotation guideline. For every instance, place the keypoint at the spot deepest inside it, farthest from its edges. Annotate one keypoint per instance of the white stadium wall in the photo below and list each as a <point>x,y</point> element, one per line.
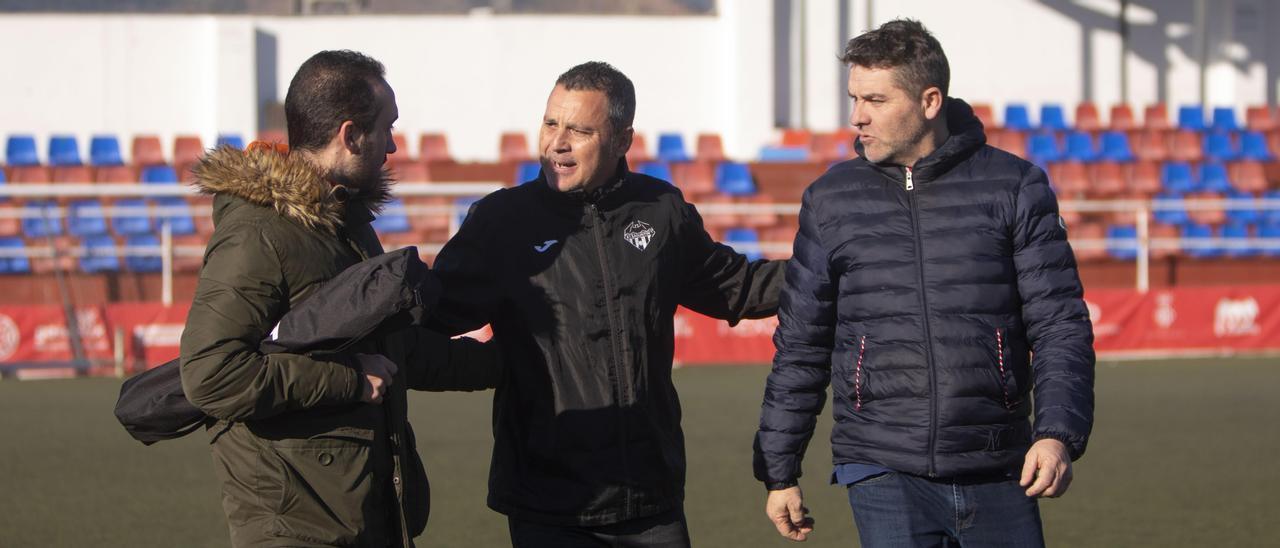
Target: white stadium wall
<point>476,76</point>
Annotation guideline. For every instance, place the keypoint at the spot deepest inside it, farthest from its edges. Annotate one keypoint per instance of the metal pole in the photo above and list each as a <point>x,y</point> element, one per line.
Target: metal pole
<point>1202,49</point>
<point>1124,51</point>
<point>1144,249</point>
<point>166,263</point>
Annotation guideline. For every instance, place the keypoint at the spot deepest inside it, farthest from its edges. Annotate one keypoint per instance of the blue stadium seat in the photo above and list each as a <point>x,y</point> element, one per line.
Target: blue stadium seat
<point>1271,216</point>
<point>1195,242</point>
<point>1043,148</point>
<point>1116,147</point>
<point>1235,234</point>
<point>45,223</point>
<point>1219,146</point>
<point>159,175</point>
<point>1244,216</point>
<point>100,255</point>
<point>784,154</point>
<point>3,182</point>
<point>20,150</point>
<point>1053,118</point>
<point>130,224</point>
<point>671,148</point>
<point>177,214</point>
<point>1224,119</point>
<point>1173,212</point>
<point>1191,117</point>
<point>1123,250</point>
<point>745,241</point>
<point>15,264</point>
<point>104,150</point>
<point>527,171</point>
<point>1017,117</point>
<point>1270,232</point>
<point>85,218</point>
<point>1213,178</point>
<point>230,139</point>
<point>1080,147</point>
<point>1253,146</point>
<point>657,170</point>
<point>734,179</point>
<point>64,151</point>
<point>142,263</point>
<point>1176,177</point>
<point>392,219</point>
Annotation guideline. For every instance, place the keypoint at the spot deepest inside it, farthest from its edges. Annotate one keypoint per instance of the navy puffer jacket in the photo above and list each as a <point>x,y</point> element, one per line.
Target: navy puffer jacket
<point>920,296</point>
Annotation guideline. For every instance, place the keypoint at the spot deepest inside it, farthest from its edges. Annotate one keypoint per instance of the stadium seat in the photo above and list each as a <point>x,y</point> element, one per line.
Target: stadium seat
<point>138,258</point>
<point>734,179</point>
<point>1017,117</point>
<point>639,150</point>
<point>527,171</point>
<point>100,255</point>
<point>232,140</point>
<point>1087,118</point>
<point>784,154</point>
<point>1156,117</point>
<point>1248,175</point>
<point>1170,209</point>
<point>1043,148</point>
<point>695,179</point>
<point>1115,147</point>
<point>657,170</point>
<point>1242,213</point>
<point>30,174</point>
<point>392,219</point>
<point>1122,118</point>
<point>187,150</point>
<point>1212,177</point>
<point>147,151</point>
<point>796,137</point>
<point>1191,117</point>
<point>41,219</point>
<point>1122,242</point>
<point>1197,242</point>
<point>1080,147</point>
<point>1013,142</point>
<point>85,218</point>
<point>1069,179</point>
<point>1271,216</point>
<point>1224,119</point>
<point>130,223</point>
<point>710,147</point>
<point>434,147</point>
<point>115,174</point>
<point>986,115</point>
<point>12,258</point>
<point>1205,208</point>
<point>1253,146</point>
<point>1082,237</point>
<point>402,153</point>
<point>1219,147</point>
<point>758,219</point>
<point>159,175</point>
<point>1109,180</point>
<point>671,148</point>
<point>513,147</point>
<point>71,174</point>
<point>177,213</point>
<point>20,150</point>
<point>1177,177</point>
<point>1236,236</point>
<point>104,150</point>
<point>1261,118</point>
<point>410,172</point>
<point>1270,233</point>
<point>1152,145</point>
<point>829,147</point>
<point>64,151</point>
<point>745,240</point>
<point>1187,146</point>
<point>1053,118</point>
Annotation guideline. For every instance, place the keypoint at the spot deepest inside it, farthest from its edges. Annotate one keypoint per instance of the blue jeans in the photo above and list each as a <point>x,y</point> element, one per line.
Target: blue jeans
<point>899,510</point>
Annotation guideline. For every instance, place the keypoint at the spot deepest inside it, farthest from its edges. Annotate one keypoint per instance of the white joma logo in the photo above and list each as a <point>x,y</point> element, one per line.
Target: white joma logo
<point>545,246</point>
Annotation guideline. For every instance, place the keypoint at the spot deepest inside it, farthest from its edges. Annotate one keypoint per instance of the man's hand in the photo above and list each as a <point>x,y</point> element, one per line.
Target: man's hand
<point>378,374</point>
<point>786,510</point>
<point>1047,469</point>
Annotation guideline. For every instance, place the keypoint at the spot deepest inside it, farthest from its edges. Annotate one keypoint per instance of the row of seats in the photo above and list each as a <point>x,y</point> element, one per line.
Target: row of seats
<point>1196,241</point>
<point>100,253</point>
<point>89,217</point>
<point>1116,146</point>
<point>152,174</point>
<point>1146,179</point>
<point>1053,118</point>
<point>105,151</point>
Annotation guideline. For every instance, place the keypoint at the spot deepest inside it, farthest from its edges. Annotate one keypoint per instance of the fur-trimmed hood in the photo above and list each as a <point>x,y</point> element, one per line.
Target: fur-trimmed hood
<point>286,183</point>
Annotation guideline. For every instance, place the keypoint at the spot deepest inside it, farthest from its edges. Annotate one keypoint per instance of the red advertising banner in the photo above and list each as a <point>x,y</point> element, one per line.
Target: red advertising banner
<point>40,334</point>
<point>152,332</point>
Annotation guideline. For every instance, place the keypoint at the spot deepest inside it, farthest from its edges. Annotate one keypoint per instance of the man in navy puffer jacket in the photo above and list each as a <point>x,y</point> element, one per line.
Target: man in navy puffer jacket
<point>926,273</point>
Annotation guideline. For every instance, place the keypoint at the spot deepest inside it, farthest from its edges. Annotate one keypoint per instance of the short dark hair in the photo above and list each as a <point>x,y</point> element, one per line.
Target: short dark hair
<point>617,88</point>
<point>330,88</point>
<point>906,45</point>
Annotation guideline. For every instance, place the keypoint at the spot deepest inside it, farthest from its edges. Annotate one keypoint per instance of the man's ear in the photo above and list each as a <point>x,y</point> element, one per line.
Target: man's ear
<point>624,141</point>
<point>349,136</point>
<point>932,100</point>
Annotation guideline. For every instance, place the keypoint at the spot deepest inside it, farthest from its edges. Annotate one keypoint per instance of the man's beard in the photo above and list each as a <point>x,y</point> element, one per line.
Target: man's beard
<point>359,179</point>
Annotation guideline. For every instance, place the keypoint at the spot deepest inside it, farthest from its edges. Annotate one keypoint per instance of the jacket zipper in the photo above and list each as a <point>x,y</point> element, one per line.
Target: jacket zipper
<point>909,184</point>
<point>857,374</point>
<point>597,225</point>
<point>1004,385</point>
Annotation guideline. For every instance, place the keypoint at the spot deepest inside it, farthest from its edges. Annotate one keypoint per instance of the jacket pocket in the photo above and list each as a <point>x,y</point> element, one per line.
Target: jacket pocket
<point>329,493</point>
<point>859,378</point>
<point>1003,377</point>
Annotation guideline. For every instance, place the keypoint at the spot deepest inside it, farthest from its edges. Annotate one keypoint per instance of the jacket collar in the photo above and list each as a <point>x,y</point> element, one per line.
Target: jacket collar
<point>606,196</point>
<point>967,137</point>
<point>271,177</point>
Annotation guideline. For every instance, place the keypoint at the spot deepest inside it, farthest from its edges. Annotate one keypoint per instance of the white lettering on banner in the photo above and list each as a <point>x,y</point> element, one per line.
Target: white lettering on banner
<point>1236,317</point>
<point>93,334</point>
<point>750,328</point>
<point>1165,314</point>
<point>10,337</point>
<point>159,334</point>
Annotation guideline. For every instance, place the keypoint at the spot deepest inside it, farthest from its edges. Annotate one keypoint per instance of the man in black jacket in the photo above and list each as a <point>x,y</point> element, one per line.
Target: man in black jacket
<point>580,272</point>
<point>925,273</point>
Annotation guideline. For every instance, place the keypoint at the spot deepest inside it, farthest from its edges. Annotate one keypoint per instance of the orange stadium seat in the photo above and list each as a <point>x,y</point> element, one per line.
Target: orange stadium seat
<point>695,179</point>
<point>30,174</point>
<point>1122,118</point>
<point>410,171</point>
<point>433,147</point>
<point>187,150</point>
<point>1109,180</point>
<point>1087,118</point>
<point>147,151</point>
<point>710,147</point>
<point>1087,231</point>
<point>1070,179</point>
<point>1156,117</point>
<point>1146,179</point>
<point>796,137</point>
<point>1188,146</point>
<point>1164,232</point>
<point>1013,142</point>
<point>1248,175</point>
<point>513,147</point>
<point>719,221</point>
<point>1151,145</point>
<point>115,174</point>
<point>986,115</point>
<point>71,174</point>
<point>639,151</point>
<point>1213,216</point>
<point>1261,118</point>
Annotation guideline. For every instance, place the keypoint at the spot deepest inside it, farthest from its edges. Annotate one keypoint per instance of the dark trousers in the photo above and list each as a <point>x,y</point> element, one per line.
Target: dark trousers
<point>666,530</point>
<point>899,510</point>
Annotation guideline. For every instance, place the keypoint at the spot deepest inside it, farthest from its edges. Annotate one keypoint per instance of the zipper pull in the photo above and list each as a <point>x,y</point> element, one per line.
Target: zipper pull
<point>910,185</point>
